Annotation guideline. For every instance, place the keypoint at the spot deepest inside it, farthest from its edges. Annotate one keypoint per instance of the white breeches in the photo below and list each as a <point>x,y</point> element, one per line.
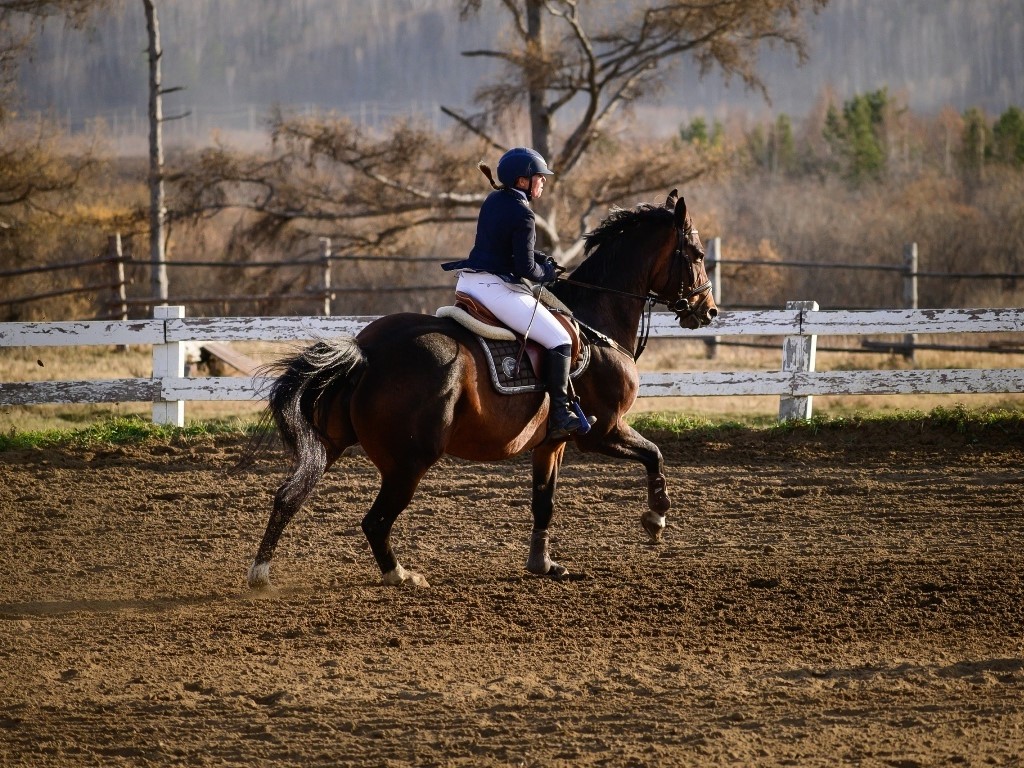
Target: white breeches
<point>515,306</point>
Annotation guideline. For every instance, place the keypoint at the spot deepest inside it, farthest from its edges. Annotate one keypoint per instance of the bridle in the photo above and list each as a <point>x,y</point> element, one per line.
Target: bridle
<point>683,305</point>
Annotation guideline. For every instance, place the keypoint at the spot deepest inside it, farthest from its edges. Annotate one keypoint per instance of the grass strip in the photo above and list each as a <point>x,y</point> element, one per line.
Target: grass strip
<point>657,426</point>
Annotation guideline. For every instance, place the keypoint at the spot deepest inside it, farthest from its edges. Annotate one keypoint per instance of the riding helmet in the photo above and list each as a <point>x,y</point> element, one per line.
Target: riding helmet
<point>521,161</point>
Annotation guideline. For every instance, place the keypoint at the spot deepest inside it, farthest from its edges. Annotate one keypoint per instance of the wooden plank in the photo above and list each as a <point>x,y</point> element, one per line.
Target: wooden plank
<point>781,383</point>
<point>676,384</point>
<point>934,381</point>
<point>263,328</point>
<point>110,391</point>
<point>209,388</point>
<point>715,383</point>
<point>902,321</point>
<point>83,333</point>
<point>775,322</point>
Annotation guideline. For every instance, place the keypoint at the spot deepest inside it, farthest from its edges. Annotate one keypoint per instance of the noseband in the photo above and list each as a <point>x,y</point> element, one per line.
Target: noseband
<point>682,306</point>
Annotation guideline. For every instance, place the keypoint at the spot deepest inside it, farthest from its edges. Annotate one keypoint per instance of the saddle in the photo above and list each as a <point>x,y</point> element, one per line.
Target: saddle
<point>513,370</point>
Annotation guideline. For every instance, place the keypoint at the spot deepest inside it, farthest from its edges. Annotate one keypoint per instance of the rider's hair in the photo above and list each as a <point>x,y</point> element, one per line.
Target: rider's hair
<point>485,169</point>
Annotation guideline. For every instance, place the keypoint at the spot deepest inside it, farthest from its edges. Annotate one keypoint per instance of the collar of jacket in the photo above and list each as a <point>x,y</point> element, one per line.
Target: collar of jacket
<point>518,193</point>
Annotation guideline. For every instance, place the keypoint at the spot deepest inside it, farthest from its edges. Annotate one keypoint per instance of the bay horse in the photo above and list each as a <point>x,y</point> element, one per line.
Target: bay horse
<point>410,388</point>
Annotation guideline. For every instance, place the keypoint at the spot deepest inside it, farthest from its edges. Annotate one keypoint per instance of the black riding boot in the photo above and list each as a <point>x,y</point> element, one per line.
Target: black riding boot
<point>562,419</point>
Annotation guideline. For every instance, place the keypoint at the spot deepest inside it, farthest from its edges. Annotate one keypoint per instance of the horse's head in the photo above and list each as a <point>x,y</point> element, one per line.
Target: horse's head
<point>686,287</point>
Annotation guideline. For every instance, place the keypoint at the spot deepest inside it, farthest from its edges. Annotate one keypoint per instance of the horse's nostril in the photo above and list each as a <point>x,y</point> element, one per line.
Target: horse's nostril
<point>712,313</point>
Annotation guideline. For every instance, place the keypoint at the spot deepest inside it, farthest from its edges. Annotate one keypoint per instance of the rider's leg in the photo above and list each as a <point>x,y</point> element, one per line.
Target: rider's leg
<point>562,419</point>
<point>516,306</point>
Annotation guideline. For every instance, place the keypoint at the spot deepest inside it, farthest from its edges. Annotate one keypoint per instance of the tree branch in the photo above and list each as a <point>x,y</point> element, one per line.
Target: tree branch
<point>468,125</point>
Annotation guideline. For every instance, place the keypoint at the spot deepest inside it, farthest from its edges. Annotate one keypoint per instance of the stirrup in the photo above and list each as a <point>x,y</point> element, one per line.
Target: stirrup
<point>571,425</point>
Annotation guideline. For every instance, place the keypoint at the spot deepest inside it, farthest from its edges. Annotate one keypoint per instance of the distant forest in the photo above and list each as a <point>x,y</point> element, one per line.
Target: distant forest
<point>238,58</point>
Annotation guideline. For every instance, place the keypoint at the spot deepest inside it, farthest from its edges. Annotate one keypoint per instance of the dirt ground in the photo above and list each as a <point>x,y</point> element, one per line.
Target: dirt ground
<point>850,597</point>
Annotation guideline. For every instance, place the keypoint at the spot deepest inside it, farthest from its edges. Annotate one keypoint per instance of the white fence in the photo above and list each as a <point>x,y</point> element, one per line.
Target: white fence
<point>796,383</point>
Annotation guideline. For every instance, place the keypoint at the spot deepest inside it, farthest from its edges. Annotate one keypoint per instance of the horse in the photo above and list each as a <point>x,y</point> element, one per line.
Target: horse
<point>410,388</point>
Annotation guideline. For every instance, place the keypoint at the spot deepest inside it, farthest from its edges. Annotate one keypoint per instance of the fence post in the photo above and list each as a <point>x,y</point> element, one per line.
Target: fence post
<point>713,265</point>
<point>325,261</point>
<point>168,362</point>
<point>798,357</point>
<point>116,256</point>
<point>909,294</point>
<point>120,303</point>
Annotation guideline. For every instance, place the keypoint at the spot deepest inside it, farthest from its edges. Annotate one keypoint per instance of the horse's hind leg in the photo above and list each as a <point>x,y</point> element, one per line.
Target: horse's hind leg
<point>546,461</point>
<point>288,500</point>
<point>396,491</point>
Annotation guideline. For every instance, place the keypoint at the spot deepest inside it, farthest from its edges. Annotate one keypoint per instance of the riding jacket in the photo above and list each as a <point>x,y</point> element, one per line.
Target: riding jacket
<point>505,237</point>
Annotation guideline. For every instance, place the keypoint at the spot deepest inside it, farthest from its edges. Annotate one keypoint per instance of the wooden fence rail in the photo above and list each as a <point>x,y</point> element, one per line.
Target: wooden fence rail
<point>796,383</point>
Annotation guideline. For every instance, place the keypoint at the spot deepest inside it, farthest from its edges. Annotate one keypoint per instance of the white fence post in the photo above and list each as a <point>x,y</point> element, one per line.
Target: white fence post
<point>713,263</point>
<point>909,295</point>
<point>798,357</point>
<point>169,362</point>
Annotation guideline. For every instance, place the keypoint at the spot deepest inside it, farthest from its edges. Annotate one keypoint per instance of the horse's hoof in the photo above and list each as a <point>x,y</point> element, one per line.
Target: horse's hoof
<point>398,577</point>
<point>547,567</point>
<point>654,524</point>
<point>557,571</point>
<point>259,576</point>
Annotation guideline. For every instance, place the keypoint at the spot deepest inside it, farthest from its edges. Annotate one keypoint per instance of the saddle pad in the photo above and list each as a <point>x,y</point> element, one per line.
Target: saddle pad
<point>501,359</point>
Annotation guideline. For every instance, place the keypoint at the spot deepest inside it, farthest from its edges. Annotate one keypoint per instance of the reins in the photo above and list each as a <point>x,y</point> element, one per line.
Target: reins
<point>681,306</point>
<point>649,300</point>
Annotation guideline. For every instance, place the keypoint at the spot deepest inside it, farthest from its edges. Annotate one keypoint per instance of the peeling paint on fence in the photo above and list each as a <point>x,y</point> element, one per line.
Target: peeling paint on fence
<point>169,387</point>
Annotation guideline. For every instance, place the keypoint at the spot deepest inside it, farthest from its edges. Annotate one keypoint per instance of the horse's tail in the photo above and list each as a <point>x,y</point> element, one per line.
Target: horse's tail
<point>301,398</point>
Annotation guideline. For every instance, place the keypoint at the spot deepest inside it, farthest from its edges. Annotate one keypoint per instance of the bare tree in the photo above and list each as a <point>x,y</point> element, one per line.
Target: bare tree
<point>586,62</point>
<point>33,172</point>
<point>157,203</point>
<point>599,60</point>
<point>592,61</point>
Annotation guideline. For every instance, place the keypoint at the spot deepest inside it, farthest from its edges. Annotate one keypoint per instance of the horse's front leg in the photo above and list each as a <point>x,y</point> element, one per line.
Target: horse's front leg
<point>547,459</point>
<point>624,442</point>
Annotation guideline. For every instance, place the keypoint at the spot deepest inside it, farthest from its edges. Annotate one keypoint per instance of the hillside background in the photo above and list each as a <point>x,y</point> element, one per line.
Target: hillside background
<point>373,61</point>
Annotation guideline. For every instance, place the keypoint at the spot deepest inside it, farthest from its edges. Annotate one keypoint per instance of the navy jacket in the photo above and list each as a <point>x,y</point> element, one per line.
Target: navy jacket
<point>505,235</point>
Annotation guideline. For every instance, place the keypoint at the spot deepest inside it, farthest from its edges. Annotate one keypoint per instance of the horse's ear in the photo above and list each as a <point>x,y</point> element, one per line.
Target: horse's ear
<point>671,202</point>
<point>681,216</point>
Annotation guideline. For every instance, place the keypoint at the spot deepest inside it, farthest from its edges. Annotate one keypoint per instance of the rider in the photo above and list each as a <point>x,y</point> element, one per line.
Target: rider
<point>503,257</point>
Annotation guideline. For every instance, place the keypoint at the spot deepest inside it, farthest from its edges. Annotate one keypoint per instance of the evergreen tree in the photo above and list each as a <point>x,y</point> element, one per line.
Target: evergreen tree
<point>975,144</point>
<point>783,145</point>
<point>1008,137</point>
<point>856,136</point>
<point>774,150</point>
<point>696,132</point>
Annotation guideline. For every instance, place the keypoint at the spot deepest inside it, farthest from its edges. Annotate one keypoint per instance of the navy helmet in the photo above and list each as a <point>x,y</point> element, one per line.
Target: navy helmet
<point>521,161</point>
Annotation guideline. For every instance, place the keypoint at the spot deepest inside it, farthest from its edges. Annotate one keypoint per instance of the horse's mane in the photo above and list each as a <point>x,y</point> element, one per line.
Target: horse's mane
<point>601,243</point>
<point>620,221</point>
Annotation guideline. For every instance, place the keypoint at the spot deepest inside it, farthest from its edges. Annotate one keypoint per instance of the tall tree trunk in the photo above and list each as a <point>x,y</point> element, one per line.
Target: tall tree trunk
<point>540,118</point>
<point>157,207</point>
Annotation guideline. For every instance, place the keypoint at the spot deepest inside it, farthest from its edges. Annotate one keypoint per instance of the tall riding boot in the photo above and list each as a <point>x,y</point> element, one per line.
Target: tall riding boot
<point>562,419</point>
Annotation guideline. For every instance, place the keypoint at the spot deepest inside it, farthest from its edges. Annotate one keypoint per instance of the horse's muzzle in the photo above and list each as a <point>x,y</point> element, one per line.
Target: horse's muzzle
<point>697,315</point>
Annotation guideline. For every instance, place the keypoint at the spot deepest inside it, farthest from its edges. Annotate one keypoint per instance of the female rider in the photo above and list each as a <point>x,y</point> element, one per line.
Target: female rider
<point>503,256</point>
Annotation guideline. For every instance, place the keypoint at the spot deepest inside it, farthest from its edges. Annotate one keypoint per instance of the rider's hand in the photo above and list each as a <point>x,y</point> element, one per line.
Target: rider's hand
<point>551,271</point>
